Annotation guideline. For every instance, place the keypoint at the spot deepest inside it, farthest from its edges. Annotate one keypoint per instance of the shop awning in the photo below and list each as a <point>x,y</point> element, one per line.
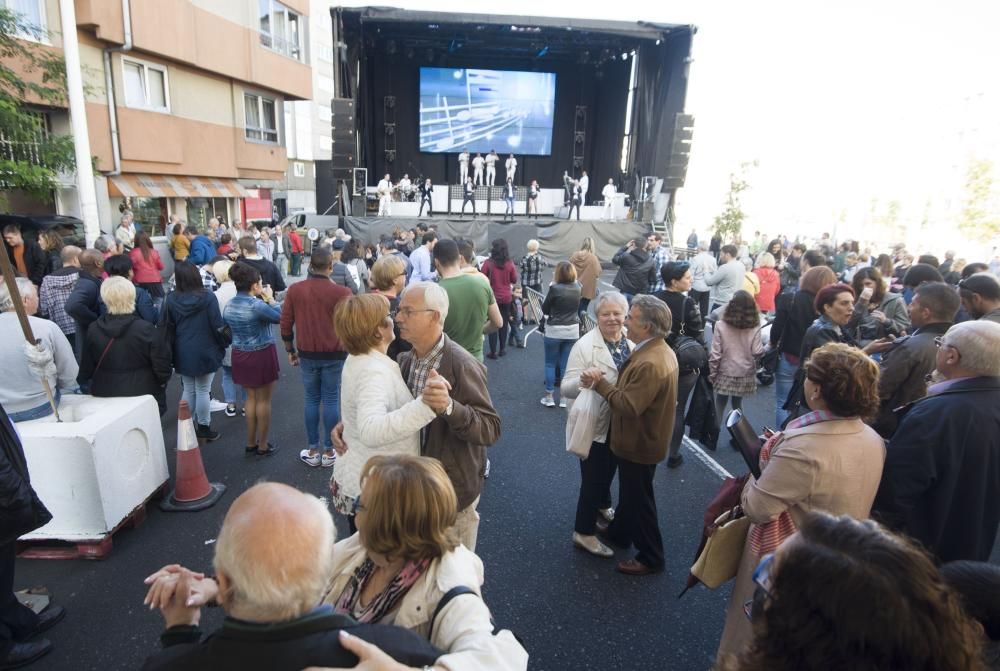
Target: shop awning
<point>173,186</point>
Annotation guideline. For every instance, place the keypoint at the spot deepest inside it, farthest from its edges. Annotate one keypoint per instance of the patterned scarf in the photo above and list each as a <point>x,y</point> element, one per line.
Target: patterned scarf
<point>766,537</point>
<point>386,601</point>
<point>619,352</point>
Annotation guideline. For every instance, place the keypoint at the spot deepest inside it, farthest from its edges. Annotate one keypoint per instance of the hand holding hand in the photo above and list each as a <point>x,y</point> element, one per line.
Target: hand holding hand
<point>435,394</point>
<point>590,377</point>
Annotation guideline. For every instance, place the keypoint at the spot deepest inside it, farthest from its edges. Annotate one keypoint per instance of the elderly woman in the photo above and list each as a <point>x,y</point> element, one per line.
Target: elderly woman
<point>399,566</point>
<point>827,460</point>
<point>607,348</point>
<point>122,356</point>
<point>388,278</point>
<point>562,327</point>
<point>379,413</point>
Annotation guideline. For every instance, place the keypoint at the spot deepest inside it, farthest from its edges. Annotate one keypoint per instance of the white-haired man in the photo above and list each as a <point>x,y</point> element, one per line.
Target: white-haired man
<point>273,560</point>
<point>21,390</point>
<point>941,479</point>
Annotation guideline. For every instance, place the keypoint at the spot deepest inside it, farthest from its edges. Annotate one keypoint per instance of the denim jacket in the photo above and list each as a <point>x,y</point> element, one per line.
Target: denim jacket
<point>250,319</point>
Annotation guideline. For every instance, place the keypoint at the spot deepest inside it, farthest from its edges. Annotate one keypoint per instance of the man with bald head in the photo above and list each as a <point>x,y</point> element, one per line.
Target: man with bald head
<point>273,558</point>
<point>84,303</point>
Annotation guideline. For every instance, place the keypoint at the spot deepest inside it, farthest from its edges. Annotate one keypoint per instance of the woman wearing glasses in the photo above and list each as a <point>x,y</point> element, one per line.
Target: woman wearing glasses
<point>827,459</point>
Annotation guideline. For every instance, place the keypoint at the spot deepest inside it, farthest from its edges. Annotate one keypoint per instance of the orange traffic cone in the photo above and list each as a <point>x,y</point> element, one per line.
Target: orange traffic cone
<point>192,490</point>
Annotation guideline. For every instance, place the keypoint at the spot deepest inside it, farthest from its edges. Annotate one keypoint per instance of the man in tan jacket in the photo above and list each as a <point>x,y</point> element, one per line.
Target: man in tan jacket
<point>642,421</point>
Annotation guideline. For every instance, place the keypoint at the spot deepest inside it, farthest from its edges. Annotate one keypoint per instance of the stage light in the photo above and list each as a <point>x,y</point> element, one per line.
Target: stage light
<point>658,42</point>
<point>624,56</point>
<point>541,52</point>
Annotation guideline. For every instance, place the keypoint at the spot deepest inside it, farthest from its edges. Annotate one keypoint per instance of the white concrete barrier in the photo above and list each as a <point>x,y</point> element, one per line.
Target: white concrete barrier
<point>93,469</point>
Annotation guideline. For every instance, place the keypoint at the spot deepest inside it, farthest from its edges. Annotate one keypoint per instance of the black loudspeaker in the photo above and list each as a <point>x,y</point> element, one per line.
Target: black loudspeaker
<point>344,130</point>
<point>680,151</point>
<point>358,205</point>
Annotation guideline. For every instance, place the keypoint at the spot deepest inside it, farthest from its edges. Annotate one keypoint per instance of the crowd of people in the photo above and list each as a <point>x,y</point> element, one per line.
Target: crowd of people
<point>887,384</point>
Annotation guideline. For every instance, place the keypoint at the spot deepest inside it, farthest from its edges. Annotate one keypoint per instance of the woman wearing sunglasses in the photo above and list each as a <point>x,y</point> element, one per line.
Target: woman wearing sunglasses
<point>828,460</point>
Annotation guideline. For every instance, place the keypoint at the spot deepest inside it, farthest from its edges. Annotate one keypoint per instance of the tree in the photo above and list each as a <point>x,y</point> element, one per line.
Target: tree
<point>729,224</point>
<point>30,156</point>
<point>980,216</point>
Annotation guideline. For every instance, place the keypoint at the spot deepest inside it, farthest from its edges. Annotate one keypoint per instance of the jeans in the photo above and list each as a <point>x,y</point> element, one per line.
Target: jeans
<point>296,263</point>
<point>321,378</point>
<point>196,393</point>
<point>233,392</point>
<point>783,379</point>
<point>685,384</point>
<point>39,411</point>
<point>556,354</point>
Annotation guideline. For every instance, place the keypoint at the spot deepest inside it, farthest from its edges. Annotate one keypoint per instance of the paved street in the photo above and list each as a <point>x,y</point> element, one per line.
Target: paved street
<point>572,610</point>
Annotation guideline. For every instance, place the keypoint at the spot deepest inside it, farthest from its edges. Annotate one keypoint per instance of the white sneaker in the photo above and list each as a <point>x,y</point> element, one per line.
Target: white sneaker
<point>562,402</point>
<point>313,460</point>
<point>328,460</point>
<point>548,401</point>
<point>216,406</point>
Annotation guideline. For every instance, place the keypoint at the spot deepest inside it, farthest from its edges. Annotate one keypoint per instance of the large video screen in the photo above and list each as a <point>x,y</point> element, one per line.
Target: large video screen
<point>480,110</point>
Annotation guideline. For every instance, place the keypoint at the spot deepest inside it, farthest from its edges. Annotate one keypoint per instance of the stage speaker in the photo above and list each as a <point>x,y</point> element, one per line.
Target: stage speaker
<point>358,206</point>
<point>680,151</point>
<point>343,126</point>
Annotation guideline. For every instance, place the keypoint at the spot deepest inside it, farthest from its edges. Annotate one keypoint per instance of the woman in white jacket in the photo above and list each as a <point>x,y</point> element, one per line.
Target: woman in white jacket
<point>406,557</point>
<point>379,414</point>
<point>607,348</point>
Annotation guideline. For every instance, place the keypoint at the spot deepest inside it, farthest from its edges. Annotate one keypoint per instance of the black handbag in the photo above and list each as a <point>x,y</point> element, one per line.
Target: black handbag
<point>691,354</point>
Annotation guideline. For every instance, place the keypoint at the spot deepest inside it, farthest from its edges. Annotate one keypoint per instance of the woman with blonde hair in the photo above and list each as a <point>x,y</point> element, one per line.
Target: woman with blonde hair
<point>405,558</point>
<point>770,282</point>
<point>379,413</point>
<point>562,328</point>
<point>588,270</point>
<point>388,278</point>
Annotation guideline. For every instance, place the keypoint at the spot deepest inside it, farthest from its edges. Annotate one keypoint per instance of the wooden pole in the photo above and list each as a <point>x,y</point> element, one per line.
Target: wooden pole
<point>22,316</point>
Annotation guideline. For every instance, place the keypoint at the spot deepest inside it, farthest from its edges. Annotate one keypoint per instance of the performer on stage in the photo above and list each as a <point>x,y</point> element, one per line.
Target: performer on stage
<point>584,186</point>
<point>491,167</point>
<point>463,166</point>
<point>577,198</point>
<point>426,191</point>
<point>508,197</point>
<point>469,196</point>
<point>609,194</point>
<point>384,190</point>
<point>567,187</point>
<point>477,168</point>
<point>510,167</point>
<point>405,187</point>
<point>533,192</point>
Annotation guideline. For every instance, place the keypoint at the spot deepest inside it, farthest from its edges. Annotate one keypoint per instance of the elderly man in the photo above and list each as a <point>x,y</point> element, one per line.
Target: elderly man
<point>910,359</point>
<point>642,419</point>
<point>981,296</point>
<point>272,564</point>
<point>21,390</point>
<point>941,479</point>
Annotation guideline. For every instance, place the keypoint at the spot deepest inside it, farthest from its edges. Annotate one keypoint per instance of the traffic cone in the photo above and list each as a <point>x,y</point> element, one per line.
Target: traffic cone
<point>192,490</point>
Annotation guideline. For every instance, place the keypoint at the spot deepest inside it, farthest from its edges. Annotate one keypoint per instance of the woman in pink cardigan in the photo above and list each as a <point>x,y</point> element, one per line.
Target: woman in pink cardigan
<point>736,344</point>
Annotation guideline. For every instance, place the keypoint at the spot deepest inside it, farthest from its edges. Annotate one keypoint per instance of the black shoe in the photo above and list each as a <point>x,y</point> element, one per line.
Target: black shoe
<point>271,449</point>
<point>47,619</point>
<point>205,431</point>
<point>674,462</point>
<point>22,654</point>
<point>503,352</point>
<point>608,539</point>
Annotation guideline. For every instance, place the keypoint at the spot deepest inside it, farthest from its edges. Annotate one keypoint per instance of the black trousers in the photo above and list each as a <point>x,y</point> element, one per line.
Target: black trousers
<point>16,620</point>
<point>596,473</point>
<point>429,206</point>
<point>466,201</point>
<point>685,385</point>
<point>575,204</point>
<point>701,297</point>
<point>636,522</point>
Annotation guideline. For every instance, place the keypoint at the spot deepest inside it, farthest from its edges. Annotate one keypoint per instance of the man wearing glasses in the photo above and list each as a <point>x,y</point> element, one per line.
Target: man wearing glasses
<point>941,479</point>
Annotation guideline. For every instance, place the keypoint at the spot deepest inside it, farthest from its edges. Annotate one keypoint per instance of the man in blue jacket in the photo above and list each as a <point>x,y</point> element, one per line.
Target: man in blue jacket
<point>202,249</point>
<point>941,479</point>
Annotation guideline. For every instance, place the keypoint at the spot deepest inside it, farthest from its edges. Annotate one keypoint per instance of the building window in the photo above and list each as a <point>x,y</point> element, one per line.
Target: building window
<point>32,13</point>
<point>24,143</point>
<point>281,29</point>
<point>299,169</point>
<point>145,85</point>
<point>261,120</point>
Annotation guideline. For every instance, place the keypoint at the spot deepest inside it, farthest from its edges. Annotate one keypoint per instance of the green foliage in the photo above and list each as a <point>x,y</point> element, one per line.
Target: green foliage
<point>729,224</point>
<point>30,156</point>
<point>980,216</point>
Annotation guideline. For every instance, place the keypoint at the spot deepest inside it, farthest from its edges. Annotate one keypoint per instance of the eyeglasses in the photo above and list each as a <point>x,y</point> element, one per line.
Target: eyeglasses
<point>939,341</point>
<point>407,312</point>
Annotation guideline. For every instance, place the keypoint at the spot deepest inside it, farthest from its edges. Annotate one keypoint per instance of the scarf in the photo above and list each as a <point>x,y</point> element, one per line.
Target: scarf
<point>387,600</point>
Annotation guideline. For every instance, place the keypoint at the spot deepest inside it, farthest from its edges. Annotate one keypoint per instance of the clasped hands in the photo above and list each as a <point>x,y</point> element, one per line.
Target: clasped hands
<point>590,377</point>
<point>179,593</point>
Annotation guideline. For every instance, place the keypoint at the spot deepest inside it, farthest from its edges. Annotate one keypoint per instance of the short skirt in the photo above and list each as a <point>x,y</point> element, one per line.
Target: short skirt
<point>258,368</point>
<point>735,386</point>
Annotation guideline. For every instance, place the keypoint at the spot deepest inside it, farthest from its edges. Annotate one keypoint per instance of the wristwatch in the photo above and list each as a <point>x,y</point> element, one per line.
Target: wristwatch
<point>451,406</point>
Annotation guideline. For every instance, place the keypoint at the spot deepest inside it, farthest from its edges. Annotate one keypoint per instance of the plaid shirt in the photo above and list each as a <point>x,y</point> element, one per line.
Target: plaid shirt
<point>531,270</point>
<point>208,279</point>
<point>52,297</point>
<point>421,368</point>
<point>662,257</point>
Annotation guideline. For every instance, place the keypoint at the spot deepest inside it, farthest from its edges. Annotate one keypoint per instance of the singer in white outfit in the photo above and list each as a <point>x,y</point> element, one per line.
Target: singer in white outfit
<point>584,185</point>
<point>510,167</point>
<point>491,167</point>
<point>384,190</point>
<point>405,187</point>
<point>463,166</point>
<point>477,168</point>
<point>609,194</point>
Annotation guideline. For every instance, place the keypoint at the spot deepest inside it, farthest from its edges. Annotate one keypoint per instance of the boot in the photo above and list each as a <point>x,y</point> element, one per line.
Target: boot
<point>205,431</point>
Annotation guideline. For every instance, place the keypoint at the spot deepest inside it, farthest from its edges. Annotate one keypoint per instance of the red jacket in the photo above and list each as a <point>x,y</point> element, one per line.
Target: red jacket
<point>501,279</point>
<point>770,287</point>
<point>296,242</point>
<point>308,312</point>
<point>146,272</point>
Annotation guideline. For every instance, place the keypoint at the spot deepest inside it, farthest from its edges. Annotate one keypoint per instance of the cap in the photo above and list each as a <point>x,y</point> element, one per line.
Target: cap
<point>339,244</point>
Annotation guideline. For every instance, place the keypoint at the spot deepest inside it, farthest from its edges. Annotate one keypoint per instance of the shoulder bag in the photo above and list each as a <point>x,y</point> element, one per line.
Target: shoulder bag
<point>691,354</point>
<point>719,560</point>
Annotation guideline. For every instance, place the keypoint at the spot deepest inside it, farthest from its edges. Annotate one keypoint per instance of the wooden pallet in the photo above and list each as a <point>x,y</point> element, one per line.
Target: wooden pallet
<point>89,549</point>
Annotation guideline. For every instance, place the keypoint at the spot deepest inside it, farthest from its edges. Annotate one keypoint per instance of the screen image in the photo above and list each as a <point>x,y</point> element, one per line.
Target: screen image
<point>480,110</point>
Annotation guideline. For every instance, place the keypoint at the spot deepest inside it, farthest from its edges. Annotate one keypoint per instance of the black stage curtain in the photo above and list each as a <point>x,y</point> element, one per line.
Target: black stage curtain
<point>661,80</point>
<point>384,75</point>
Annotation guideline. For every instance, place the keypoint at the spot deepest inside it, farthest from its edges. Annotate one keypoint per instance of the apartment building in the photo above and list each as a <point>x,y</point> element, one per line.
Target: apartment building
<point>185,102</point>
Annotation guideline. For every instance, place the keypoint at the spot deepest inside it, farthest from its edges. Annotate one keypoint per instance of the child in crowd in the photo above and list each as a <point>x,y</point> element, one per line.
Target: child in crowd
<point>516,318</point>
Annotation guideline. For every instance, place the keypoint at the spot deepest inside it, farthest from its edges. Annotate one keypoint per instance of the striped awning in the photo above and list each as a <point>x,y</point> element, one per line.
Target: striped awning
<point>173,186</point>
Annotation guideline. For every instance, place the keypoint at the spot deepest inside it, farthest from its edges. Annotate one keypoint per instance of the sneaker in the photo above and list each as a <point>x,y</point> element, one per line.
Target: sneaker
<point>231,410</point>
<point>328,460</point>
<point>243,411</point>
<point>313,460</point>
<point>548,401</point>
<point>562,402</point>
<point>216,406</point>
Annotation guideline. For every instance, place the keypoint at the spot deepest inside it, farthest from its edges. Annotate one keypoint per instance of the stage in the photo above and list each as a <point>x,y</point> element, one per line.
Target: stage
<point>557,238</point>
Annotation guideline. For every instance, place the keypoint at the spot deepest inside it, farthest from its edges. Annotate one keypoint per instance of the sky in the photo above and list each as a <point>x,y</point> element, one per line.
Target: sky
<point>845,106</point>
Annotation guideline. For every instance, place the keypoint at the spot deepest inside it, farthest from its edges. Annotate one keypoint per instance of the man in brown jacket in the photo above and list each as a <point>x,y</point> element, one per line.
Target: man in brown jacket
<point>642,421</point>
<point>467,422</point>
